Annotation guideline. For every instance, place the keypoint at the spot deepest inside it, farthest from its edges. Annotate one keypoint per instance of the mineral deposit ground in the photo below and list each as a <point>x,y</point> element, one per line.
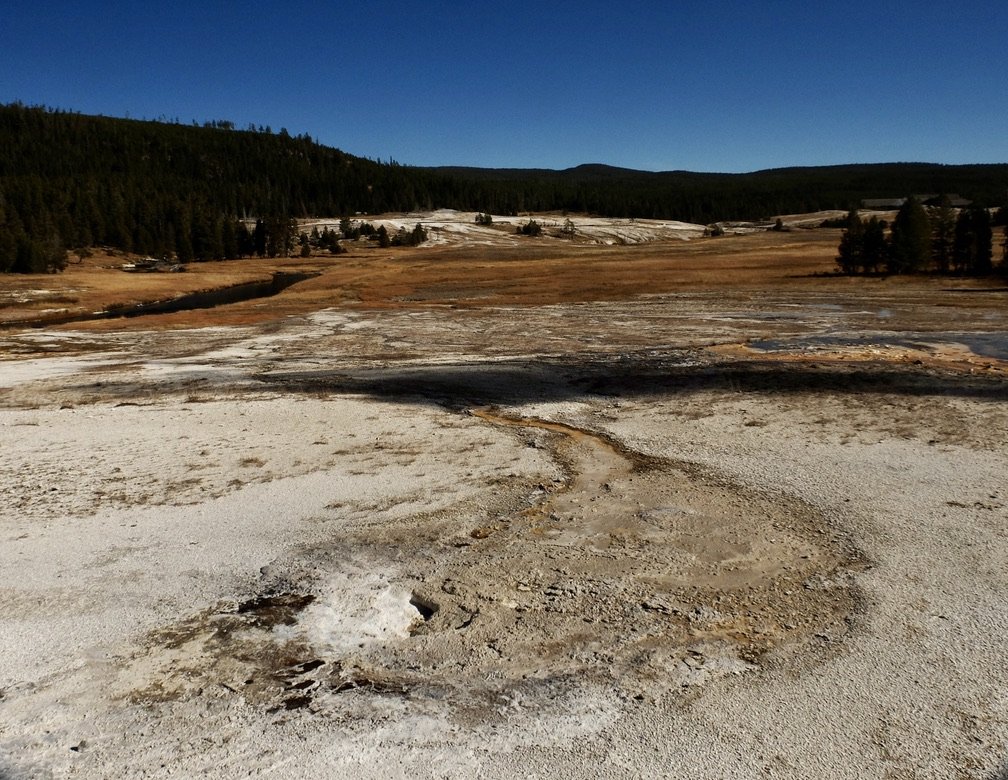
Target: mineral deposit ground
<point>640,504</point>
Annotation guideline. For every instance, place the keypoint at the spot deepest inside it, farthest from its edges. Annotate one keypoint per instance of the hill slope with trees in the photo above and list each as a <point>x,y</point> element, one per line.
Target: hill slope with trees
<point>69,180</point>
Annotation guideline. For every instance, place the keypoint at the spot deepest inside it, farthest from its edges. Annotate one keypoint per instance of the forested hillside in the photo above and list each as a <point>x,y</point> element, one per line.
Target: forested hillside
<point>68,180</point>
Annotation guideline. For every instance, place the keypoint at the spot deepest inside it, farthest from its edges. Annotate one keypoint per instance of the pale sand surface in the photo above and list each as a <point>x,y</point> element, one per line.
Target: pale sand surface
<point>572,540</point>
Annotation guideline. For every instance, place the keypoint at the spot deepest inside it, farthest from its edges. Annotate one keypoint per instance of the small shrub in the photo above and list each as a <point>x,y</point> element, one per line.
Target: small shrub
<point>530,228</point>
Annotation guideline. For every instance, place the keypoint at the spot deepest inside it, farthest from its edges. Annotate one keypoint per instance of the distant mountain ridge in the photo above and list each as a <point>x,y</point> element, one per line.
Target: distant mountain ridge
<point>708,197</point>
<point>68,179</point>
<point>861,175</point>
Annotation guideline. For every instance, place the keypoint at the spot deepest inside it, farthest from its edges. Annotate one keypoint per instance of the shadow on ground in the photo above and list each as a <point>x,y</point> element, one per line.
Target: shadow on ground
<point>635,378</point>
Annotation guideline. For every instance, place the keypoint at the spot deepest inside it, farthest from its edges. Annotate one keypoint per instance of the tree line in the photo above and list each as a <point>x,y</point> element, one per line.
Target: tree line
<point>939,239</point>
<point>70,181</point>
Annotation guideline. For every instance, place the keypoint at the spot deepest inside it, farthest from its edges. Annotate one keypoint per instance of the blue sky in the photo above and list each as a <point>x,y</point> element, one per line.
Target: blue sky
<point>716,86</point>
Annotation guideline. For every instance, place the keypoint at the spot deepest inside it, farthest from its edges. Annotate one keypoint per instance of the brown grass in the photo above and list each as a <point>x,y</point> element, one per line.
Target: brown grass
<point>532,273</point>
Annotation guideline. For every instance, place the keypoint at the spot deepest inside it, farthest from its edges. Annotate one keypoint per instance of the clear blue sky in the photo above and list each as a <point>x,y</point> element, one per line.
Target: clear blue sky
<point>714,86</point>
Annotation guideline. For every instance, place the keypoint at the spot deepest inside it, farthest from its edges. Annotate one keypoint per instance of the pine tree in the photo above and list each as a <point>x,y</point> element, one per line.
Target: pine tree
<point>259,238</point>
<point>910,241</point>
<point>217,237</point>
<point>851,249</point>
<point>972,245</point>
<point>184,250</point>
<point>202,235</point>
<point>229,238</point>
<point>983,239</point>
<point>8,249</point>
<point>8,240</point>
<point>1004,251</point>
<point>943,219</point>
<point>874,247</point>
<point>246,242</point>
<point>280,236</point>
<point>52,253</point>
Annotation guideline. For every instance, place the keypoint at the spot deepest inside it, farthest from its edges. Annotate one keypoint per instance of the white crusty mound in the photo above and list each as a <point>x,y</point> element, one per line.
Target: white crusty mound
<point>446,226</point>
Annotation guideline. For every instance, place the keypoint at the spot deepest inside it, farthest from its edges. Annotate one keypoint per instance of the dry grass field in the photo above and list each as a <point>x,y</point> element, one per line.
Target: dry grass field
<point>536,271</point>
<point>639,504</point>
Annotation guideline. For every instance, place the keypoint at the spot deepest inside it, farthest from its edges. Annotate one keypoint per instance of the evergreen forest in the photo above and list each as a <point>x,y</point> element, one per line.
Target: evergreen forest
<point>70,181</point>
